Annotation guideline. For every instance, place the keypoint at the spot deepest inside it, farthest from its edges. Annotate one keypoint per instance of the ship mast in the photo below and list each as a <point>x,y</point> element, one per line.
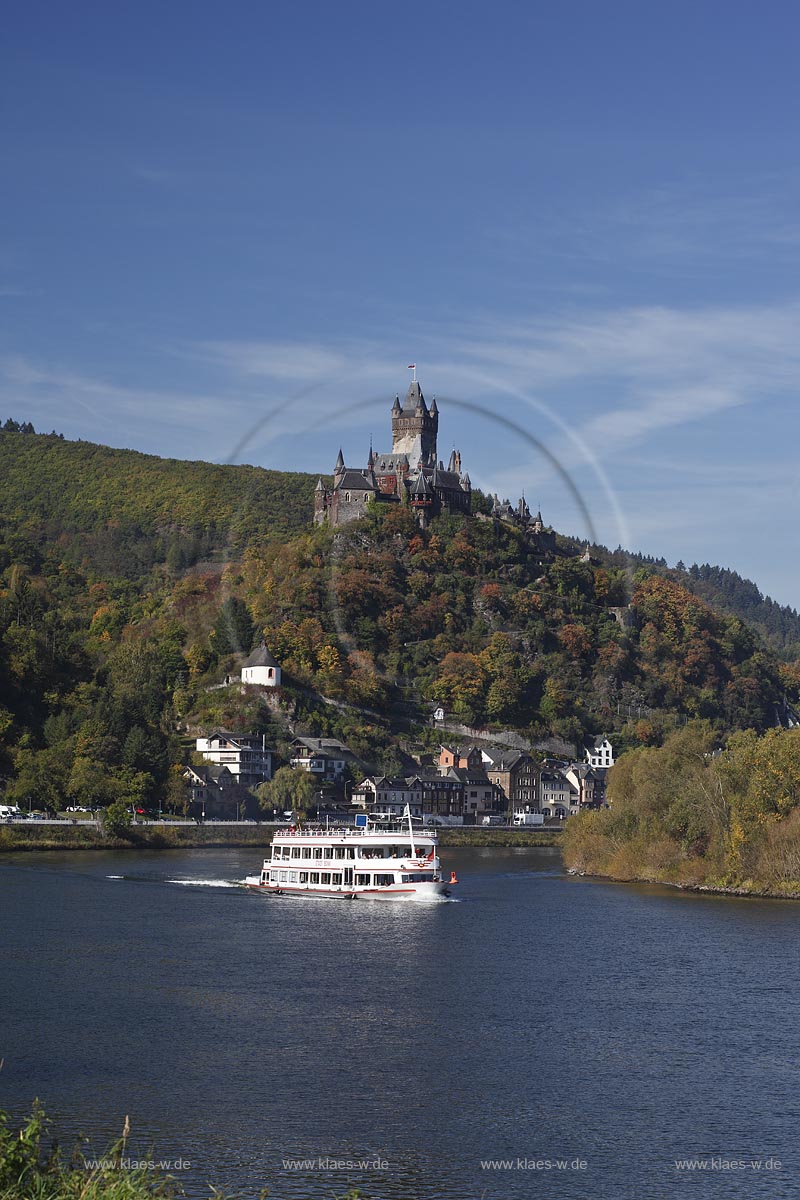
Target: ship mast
<point>407,813</point>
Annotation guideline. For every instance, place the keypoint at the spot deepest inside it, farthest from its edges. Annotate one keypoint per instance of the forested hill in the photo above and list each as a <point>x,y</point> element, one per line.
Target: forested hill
<point>119,512</point>
<point>131,585</point>
<point>725,591</point>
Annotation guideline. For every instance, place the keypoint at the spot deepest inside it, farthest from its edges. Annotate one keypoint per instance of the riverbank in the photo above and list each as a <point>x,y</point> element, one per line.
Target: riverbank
<point>750,889</point>
<point>86,835</point>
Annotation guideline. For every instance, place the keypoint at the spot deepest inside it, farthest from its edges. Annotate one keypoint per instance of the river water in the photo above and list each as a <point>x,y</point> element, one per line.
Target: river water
<point>539,1018</point>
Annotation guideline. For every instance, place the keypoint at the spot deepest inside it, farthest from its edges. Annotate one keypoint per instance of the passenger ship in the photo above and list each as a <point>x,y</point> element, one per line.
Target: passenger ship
<point>373,861</point>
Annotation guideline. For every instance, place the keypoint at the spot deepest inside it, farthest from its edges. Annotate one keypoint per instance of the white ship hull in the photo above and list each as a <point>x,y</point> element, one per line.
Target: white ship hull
<point>409,892</point>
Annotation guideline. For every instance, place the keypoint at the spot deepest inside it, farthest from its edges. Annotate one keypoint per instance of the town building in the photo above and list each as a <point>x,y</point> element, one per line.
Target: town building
<point>380,794</point>
<point>599,752</point>
<point>517,775</point>
<point>558,797</point>
<point>244,754</point>
<point>468,757</point>
<point>482,798</point>
<point>261,669</point>
<point>325,758</point>
<point>214,792</point>
<point>588,782</point>
<point>410,473</point>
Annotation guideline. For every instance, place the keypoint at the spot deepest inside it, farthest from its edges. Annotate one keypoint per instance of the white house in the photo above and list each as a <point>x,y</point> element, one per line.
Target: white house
<point>599,752</point>
<point>244,754</point>
<point>261,669</point>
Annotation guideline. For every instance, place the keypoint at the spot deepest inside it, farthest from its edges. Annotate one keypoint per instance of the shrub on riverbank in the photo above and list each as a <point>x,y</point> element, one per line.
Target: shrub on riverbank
<point>697,815</point>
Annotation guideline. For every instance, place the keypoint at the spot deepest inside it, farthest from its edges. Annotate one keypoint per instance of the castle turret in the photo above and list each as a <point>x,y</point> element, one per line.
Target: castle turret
<point>339,468</point>
<point>421,498</point>
<point>320,502</point>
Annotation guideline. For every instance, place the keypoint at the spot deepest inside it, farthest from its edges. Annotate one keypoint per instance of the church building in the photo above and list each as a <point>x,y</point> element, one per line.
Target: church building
<point>409,473</point>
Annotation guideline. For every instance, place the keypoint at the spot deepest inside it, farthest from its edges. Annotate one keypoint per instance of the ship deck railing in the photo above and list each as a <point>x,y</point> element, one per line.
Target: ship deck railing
<point>353,831</point>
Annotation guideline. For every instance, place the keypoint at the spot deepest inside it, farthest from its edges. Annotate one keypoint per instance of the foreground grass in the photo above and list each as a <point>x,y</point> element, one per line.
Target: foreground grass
<point>28,1171</point>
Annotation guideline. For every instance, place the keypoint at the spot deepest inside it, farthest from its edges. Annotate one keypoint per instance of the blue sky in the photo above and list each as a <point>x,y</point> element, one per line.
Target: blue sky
<point>227,229</point>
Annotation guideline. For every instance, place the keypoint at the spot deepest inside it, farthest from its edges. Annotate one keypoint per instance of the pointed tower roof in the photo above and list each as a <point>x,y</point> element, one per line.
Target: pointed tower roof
<point>339,462</point>
<point>420,486</point>
<point>396,409</point>
<point>371,459</point>
<point>434,408</point>
<point>320,486</point>
<point>467,482</point>
<point>415,398</point>
<point>451,466</point>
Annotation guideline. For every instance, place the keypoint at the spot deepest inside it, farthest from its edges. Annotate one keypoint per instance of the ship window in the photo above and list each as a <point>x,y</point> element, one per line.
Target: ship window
<point>306,851</point>
<point>295,851</point>
<point>293,877</point>
<point>338,852</point>
<point>362,880</point>
<point>304,876</point>
<point>282,876</point>
<point>273,876</point>
<point>315,876</point>
<point>318,852</point>
<point>325,877</point>
<point>350,852</point>
<point>336,878</point>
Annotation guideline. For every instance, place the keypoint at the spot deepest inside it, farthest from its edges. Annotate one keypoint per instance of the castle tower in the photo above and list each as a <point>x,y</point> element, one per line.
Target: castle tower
<point>415,427</point>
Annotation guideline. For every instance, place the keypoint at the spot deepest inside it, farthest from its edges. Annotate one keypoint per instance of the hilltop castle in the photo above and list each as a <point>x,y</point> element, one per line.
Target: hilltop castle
<point>410,473</point>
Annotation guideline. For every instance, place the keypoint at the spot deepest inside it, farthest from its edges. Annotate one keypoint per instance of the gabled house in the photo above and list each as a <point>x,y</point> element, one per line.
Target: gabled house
<point>588,782</point>
<point>380,794</point>
<point>214,792</point>
<point>481,796</point>
<point>325,758</point>
<point>559,798</point>
<point>517,776</point>
<point>599,752</point>
<point>244,754</point>
<point>466,757</point>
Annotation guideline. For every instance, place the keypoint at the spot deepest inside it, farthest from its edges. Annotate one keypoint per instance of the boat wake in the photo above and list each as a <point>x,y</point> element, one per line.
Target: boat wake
<point>214,883</point>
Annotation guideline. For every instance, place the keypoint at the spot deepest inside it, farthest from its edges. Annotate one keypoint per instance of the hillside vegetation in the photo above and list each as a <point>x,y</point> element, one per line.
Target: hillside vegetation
<point>120,512</point>
<point>130,585</point>
<point>689,813</point>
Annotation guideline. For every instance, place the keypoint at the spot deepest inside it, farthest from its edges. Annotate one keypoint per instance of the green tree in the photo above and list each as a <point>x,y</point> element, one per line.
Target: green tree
<point>289,789</point>
<point>233,630</point>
